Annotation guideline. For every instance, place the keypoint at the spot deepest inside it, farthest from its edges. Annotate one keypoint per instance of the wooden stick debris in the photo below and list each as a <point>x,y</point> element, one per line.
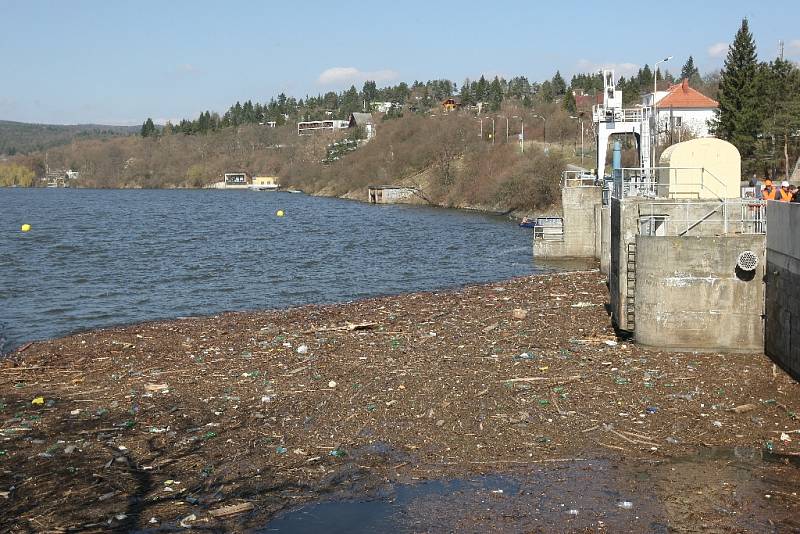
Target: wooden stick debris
<point>233,509</point>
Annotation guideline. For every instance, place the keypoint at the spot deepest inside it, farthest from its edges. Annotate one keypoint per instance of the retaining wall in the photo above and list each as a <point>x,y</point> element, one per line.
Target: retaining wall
<point>690,295</point>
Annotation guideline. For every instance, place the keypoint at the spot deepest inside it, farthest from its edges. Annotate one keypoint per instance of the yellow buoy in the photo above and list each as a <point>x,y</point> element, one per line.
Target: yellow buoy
<point>279,213</point>
<point>26,227</point>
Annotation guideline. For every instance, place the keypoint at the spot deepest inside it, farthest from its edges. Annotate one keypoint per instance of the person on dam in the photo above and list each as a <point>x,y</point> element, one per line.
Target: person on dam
<point>769,192</point>
<point>784,194</point>
<point>796,192</point>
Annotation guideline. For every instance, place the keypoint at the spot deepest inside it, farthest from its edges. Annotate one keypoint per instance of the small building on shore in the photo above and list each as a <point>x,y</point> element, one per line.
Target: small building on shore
<point>391,194</point>
<point>233,180</point>
<point>265,183</point>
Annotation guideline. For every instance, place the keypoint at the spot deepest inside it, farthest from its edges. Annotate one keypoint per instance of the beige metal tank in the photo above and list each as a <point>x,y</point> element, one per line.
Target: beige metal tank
<point>701,168</point>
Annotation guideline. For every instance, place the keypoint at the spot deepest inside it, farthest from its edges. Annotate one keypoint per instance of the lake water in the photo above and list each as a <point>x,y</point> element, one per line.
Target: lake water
<point>98,258</point>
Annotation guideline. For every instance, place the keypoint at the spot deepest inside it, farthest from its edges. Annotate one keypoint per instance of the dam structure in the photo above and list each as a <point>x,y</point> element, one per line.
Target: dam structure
<point>684,253</point>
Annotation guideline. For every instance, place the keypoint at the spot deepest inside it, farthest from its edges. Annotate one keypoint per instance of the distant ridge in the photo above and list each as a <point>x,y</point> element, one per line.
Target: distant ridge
<point>23,137</point>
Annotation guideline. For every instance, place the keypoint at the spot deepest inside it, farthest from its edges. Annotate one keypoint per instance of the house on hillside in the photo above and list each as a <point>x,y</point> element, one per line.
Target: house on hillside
<point>364,121</point>
<point>313,127</point>
<point>682,109</point>
<point>383,107</point>
<point>451,104</point>
<point>585,102</point>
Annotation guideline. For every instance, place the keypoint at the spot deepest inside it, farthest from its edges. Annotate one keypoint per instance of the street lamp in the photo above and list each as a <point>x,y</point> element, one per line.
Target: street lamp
<point>522,134</point>
<point>655,109</point>
<point>544,128</point>
<point>506,118</point>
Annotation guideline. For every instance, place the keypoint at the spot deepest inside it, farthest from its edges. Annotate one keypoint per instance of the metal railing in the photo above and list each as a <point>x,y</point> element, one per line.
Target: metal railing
<point>668,182</point>
<point>578,179</point>
<point>709,217</point>
<point>602,114</point>
<point>549,229</point>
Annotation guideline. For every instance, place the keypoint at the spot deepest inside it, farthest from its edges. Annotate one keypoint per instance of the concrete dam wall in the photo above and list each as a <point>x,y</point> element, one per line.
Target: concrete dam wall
<point>782,328</point>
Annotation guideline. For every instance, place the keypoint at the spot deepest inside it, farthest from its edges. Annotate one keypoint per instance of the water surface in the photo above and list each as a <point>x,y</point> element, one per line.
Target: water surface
<point>97,258</point>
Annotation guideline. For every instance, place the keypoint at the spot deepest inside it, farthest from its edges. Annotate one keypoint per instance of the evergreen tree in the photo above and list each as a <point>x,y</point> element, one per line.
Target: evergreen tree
<point>689,71</point>
<point>481,89</point>
<point>778,88</point>
<point>495,94</point>
<point>148,128</point>
<point>569,104</point>
<point>737,118</point>
<point>466,96</point>
<point>645,78</point>
<point>370,92</point>
<point>559,85</point>
<point>547,91</point>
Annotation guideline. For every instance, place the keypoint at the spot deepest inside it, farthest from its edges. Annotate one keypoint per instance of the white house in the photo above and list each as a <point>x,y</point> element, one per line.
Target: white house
<point>682,109</point>
<point>312,127</point>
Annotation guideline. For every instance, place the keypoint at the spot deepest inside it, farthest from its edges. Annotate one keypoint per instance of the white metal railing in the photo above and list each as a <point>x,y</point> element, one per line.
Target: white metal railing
<point>578,179</point>
<point>549,229</point>
<point>602,114</point>
<point>668,182</point>
<point>703,217</point>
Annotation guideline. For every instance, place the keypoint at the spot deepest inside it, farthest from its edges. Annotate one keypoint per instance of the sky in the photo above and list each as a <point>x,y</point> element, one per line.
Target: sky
<point>119,62</point>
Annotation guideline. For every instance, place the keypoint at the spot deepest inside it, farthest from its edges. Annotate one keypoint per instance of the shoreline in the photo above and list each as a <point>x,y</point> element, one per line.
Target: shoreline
<point>271,409</point>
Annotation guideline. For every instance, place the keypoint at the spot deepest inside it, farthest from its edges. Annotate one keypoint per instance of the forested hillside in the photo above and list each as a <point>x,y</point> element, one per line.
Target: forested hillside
<point>23,138</point>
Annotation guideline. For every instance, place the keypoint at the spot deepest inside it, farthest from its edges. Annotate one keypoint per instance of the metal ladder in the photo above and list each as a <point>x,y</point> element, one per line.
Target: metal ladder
<point>630,294</point>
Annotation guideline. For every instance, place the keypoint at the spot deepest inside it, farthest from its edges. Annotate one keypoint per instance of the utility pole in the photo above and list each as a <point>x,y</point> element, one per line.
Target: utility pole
<point>655,111</point>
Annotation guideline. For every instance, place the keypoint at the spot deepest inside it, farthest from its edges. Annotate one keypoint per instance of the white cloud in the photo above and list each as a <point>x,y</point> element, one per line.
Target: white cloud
<point>187,68</point>
<point>792,48</point>
<point>620,69</point>
<point>718,50</point>
<point>351,75</point>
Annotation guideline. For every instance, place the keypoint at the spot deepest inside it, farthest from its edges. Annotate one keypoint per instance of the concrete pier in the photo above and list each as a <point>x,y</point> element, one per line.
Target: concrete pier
<point>581,232</point>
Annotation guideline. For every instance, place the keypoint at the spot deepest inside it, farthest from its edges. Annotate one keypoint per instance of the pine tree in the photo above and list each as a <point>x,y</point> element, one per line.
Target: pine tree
<point>569,104</point>
<point>737,117</point>
<point>467,98</point>
<point>689,71</point>
<point>559,85</point>
<point>547,91</point>
<point>148,128</point>
<point>495,94</point>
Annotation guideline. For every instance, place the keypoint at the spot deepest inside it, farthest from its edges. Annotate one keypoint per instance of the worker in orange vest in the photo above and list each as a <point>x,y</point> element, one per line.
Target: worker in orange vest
<point>769,192</point>
<point>784,195</point>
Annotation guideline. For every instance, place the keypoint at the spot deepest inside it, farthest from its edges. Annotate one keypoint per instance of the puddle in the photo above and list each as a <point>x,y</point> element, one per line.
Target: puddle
<point>580,495</point>
<point>723,489</point>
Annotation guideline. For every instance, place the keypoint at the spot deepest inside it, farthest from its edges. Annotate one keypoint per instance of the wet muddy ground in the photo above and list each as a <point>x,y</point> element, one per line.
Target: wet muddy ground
<point>423,406</point>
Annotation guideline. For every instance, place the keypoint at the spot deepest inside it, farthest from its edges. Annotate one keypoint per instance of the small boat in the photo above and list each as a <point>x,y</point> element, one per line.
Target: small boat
<point>527,223</point>
<point>293,191</point>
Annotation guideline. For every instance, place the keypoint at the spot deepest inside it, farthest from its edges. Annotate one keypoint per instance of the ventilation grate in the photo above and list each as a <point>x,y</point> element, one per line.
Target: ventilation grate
<point>748,261</point>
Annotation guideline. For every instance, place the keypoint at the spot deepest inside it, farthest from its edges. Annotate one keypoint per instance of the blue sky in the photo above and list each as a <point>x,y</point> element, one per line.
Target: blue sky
<point>119,62</point>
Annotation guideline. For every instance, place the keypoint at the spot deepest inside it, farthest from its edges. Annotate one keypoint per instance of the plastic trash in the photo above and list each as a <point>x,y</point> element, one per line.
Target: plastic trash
<point>38,401</point>
<point>302,349</point>
<point>338,453</point>
<point>625,505</point>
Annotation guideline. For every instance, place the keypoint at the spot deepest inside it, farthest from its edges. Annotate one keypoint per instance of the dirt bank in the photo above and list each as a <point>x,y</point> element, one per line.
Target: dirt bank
<point>184,419</point>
